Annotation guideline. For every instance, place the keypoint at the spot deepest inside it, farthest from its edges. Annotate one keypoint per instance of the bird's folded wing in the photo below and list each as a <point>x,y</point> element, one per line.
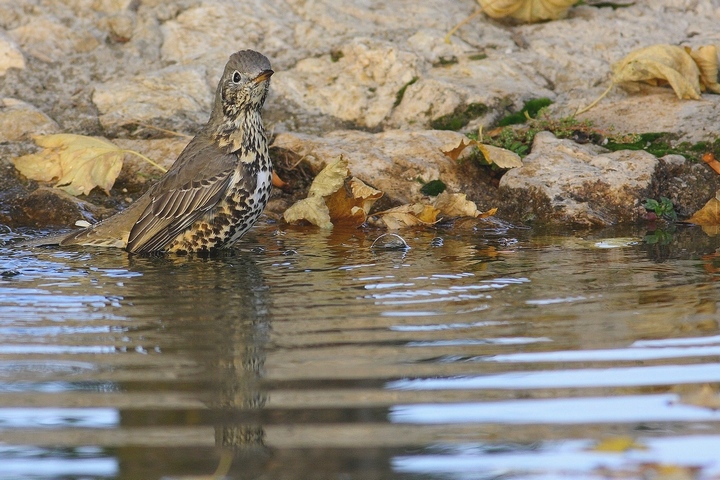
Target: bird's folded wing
<point>173,211</point>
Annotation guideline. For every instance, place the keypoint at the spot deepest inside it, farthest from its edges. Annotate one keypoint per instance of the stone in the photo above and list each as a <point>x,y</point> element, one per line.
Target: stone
<point>49,40</point>
<point>10,54</point>
<point>691,120</point>
<point>359,83</point>
<point>163,151</point>
<point>174,96</point>
<point>397,162</point>
<point>20,120</point>
<point>52,207</point>
<point>566,183</point>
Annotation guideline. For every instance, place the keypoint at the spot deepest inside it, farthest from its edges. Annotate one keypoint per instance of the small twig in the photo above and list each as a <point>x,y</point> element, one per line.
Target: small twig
<point>171,132</point>
<point>138,154</point>
<point>597,100</point>
<point>457,27</point>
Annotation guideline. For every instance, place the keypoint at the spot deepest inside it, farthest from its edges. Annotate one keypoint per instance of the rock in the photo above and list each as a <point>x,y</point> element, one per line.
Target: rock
<point>176,96</point>
<point>52,207</point>
<point>20,120</point>
<point>10,54</point>
<point>163,151</point>
<point>396,162</point>
<point>49,40</point>
<point>359,83</point>
<point>692,120</point>
<point>567,183</point>
<point>119,26</point>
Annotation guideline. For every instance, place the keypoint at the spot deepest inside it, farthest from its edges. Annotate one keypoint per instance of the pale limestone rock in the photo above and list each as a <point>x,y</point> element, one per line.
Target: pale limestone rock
<point>568,183</point>
<point>657,109</point>
<point>163,151</point>
<point>171,93</point>
<point>391,161</point>
<point>20,120</point>
<point>10,54</point>
<point>111,6</point>
<point>120,26</point>
<point>211,30</point>
<point>358,84</point>
<point>49,40</point>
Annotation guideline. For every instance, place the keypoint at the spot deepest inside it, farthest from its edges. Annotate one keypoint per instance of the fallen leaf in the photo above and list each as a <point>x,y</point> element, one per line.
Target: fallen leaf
<point>708,217</point>
<point>706,58</point>
<point>488,213</point>
<point>311,209</point>
<point>687,72</point>
<point>709,214</point>
<point>79,163</point>
<point>455,205</point>
<point>351,203</point>
<point>527,10</point>
<point>618,445</point>
<point>334,198</point>
<point>409,216</point>
<point>660,64</point>
<point>330,179</point>
<point>712,162</point>
<point>454,152</point>
<point>501,157</point>
<point>278,182</point>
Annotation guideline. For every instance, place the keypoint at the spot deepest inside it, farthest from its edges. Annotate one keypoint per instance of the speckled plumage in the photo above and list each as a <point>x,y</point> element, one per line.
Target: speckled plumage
<point>216,189</point>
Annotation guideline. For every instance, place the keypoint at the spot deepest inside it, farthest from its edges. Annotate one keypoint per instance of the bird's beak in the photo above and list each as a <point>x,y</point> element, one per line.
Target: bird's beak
<point>263,76</point>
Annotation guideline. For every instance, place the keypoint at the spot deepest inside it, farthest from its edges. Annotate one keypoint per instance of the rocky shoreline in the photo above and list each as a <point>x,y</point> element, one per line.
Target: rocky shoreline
<point>368,80</point>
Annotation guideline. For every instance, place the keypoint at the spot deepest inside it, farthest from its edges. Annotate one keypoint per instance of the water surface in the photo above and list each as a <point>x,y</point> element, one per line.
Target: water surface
<point>505,353</point>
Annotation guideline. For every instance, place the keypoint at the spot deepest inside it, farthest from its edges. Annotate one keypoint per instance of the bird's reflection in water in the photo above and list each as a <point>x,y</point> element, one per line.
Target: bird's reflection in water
<point>214,314</point>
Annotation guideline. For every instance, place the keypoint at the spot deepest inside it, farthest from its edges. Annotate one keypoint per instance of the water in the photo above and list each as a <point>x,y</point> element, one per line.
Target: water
<point>506,353</point>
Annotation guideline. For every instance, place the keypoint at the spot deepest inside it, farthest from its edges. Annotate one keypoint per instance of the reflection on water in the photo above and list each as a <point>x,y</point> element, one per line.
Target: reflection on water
<point>312,355</point>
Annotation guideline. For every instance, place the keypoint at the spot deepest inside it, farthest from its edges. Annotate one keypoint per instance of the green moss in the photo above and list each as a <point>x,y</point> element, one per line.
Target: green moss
<point>401,93</point>
<point>433,188</point>
<point>478,56</point>
<point>663,143</point>
<point>519,139</point>
<point>531,108</point>
<point>336,55</point>
<point>445,61</point>
<point>459,118</point>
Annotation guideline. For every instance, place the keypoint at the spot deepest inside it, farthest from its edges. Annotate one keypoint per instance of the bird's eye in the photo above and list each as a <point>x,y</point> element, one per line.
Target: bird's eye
<point>236,77</point>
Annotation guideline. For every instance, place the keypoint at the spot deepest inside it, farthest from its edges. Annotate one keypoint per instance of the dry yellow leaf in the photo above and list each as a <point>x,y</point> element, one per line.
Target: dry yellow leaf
<point>454,152</point>
<point>618,445</point>
<point>409,216</point>
<point>687,72</point>
<point>488,213</point>
<point>334,198</point>
<point>330,179</point>
<point>311,209</point>
<point>455,205</point>
<point>706,58</point>
<point>658,64</point>
<point>708,217</point>
<point>79,163</point>
<point>501,157</point>
<point>527,10</point>
<point>351,203</point>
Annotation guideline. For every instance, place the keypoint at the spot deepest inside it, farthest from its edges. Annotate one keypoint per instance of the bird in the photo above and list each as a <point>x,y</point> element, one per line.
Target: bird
<point>218,186</point>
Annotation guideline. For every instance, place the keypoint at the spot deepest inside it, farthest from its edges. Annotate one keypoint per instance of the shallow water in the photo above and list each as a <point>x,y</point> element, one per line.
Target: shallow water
<point>311,355</point>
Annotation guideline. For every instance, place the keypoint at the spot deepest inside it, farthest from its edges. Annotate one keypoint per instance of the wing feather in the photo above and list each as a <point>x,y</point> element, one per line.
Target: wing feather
<point>171,212</point>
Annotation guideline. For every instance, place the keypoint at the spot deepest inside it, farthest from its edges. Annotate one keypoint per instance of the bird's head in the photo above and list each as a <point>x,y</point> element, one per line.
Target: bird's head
<point>244,83</point>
